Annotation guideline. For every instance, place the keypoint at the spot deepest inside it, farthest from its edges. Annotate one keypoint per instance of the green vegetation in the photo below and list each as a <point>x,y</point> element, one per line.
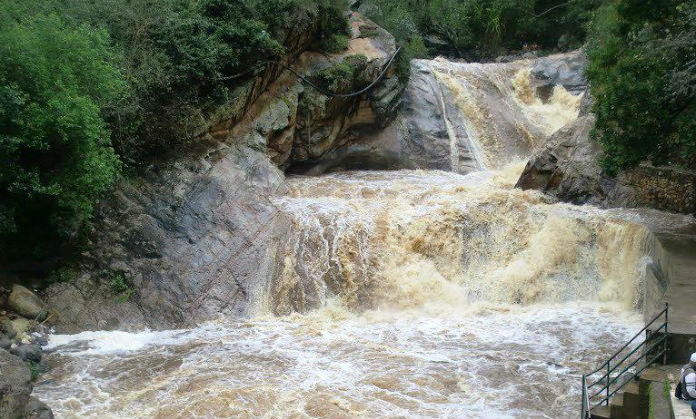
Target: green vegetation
<point>56,151</point>
<point>643,75</point>
<point>482,29</point>
<point>340,77</point>
<point>34,369</point>
<point>120,285</point>
<point>87,88</point>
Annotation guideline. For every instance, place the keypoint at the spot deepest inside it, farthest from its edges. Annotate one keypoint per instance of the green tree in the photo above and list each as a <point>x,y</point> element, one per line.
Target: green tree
<point>55,146</point>
<point>642,73</point>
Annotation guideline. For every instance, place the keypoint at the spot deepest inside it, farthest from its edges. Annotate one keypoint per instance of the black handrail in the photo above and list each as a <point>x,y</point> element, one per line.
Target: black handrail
<point>643,368</point>
<point>616,379</point>
<point>657,316</point>
<point>618,364</point>
<point>649,342</point>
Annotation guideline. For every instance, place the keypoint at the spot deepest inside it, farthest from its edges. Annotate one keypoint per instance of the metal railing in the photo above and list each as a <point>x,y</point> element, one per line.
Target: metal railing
<point>593,397</point>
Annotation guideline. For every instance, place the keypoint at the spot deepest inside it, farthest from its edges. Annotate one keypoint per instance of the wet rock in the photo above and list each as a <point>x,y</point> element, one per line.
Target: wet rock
<point>26,303</point>
<point>195,240</point>
<point>28,352</point>
<point>5,342</point>
<point>586,104</point>
<point>15,386</point>
<point>7,328</point>
<point>20,326</point>
<point>567,167</point>
<point>37,409</point>
<point>568,72</point>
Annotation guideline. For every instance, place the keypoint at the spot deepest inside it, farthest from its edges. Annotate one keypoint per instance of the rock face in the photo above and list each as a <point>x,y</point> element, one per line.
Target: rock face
<point>300,125</point>
<point>26,303</point>
<point>37,409</point>
<point>193,241</point>
<point>567,167</point>
<point>549,72</point>
<point>15,386</point>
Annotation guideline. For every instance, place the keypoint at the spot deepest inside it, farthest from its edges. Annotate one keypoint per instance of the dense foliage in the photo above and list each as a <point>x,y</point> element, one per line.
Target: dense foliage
<point>643,75</point>
<point>482,29</point>
<point>88,86</point>
<point>55,146</point>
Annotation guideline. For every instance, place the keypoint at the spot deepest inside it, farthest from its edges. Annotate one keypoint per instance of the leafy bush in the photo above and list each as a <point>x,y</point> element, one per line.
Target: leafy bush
<point>643,75</point>
<point>339,78</point>
<point>121,286</point>
<point>56,151</point>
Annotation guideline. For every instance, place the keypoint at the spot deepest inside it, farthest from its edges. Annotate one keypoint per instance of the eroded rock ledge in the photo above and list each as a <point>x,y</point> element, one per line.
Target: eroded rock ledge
<point>567,167</point>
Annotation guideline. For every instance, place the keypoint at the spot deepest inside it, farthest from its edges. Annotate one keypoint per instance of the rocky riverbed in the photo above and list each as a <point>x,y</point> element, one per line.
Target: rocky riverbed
<point>22,333</point>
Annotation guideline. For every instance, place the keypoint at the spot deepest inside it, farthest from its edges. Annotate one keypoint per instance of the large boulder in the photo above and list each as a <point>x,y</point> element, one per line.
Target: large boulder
<point>37,409</point>
<point>549,72</point>
<point>26,303</point>
<point>567,167</point>
<point>15,386</point>
<point>28,352</point>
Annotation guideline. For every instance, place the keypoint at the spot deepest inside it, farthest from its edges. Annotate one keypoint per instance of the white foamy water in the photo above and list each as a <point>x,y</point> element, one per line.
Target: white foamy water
<point>491,362</point>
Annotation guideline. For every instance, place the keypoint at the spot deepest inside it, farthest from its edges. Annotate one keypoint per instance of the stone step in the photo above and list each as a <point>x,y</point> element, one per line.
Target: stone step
<point>601,412</point>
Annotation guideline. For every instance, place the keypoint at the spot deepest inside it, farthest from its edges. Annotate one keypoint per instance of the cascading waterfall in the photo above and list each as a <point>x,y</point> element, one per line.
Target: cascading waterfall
<point>413,238</point>
<point>403,294</point>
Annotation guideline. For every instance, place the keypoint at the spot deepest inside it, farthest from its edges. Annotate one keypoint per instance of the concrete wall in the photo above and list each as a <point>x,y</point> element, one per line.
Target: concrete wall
<point>671,277</point>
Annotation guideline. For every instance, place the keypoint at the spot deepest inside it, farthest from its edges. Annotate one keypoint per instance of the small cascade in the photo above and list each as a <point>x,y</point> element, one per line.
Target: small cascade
<point>502,117</point>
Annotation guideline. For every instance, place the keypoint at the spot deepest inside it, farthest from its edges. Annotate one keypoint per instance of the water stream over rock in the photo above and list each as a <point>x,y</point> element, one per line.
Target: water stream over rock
<point>402,294</point>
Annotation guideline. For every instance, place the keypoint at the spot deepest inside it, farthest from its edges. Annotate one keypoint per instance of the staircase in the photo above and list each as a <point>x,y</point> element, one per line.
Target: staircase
<point>617,389</point>
<point>630,403</point>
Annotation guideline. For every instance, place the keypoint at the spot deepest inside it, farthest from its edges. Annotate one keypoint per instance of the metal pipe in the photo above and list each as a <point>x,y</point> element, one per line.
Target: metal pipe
<point>664,358</point>
<point>608,380</point>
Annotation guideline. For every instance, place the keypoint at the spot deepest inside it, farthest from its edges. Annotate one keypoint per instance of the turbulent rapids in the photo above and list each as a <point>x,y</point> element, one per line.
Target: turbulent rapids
<point>402,294</point>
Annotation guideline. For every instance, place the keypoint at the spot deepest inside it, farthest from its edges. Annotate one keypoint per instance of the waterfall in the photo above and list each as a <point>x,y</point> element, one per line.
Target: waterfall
<point>402,294</point>
<point>414,238</point>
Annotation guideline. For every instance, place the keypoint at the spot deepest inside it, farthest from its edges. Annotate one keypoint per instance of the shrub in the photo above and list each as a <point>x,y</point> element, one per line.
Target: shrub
<point>57,157</point>
<point>341,77</point>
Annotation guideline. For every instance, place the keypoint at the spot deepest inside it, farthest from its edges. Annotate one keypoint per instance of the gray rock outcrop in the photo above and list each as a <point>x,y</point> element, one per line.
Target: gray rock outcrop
<point>36,409</point>
<point>549,72</point>
<point>193,241</point>
<point>567,167</point>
